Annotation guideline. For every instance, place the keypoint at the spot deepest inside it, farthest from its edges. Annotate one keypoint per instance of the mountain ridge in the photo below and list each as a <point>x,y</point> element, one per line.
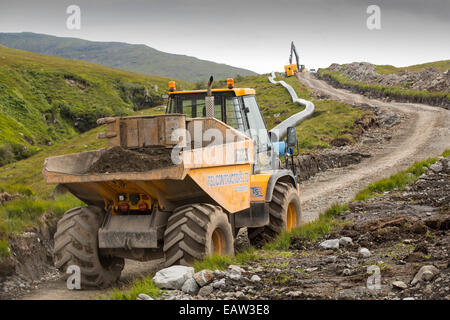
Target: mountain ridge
<point>138,58</point>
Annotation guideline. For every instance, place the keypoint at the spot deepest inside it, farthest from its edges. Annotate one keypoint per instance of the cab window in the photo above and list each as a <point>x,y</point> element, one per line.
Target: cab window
<point>233,114</point>
<point>257,127</point>
<point>193,106</point>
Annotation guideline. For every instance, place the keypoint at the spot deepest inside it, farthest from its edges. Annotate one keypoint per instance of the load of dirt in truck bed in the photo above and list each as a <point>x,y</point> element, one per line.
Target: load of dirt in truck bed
<point>118,159</point>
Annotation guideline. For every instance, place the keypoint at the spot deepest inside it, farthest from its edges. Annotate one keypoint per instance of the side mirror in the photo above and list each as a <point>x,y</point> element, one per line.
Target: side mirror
<point>291,139</point>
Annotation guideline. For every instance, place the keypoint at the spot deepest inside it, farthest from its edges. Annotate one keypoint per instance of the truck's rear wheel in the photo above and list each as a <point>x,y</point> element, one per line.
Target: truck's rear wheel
<point>76,243</point>
<point>195,231</point>
<point>284,214</point>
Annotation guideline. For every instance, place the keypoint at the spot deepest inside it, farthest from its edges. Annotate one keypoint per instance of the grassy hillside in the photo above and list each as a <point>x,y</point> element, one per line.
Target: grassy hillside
<point>45,99</point>
<point>134,58</point>
<point>330,120</point>
<point>388,69</point>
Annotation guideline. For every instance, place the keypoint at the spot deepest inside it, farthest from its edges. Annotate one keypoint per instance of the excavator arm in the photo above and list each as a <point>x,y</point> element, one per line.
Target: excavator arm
<point>294,51</point>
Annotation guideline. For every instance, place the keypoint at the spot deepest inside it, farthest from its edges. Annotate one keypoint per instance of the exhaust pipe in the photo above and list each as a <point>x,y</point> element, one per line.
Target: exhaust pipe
<point>209,100</point>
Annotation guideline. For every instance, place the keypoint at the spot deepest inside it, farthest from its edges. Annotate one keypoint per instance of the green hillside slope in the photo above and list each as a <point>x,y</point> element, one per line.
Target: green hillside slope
<point>130,57</point>
<point>45,99</point>
<point>388,69</point>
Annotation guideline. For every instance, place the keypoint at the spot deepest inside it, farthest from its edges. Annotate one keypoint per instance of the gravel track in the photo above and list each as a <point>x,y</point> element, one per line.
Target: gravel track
<point>424,132</point>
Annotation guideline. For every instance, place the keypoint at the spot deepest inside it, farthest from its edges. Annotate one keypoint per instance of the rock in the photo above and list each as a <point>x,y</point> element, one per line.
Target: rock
<point>408,298</point>
<point>436,167</point>
<point>311,269</point>
<point>364,253</point>
<point>190,286</point>
<point>143,296</point>
<point>428,289</point>
<point>426,273</point>
<point>390,119</point>
<point>173,277</point>
<point>258,269</point>
<point>255,278</point>
<point>347,272</point>
<point>400,285</point>
<point>235,269</point>
<point>345,241</point>
<point>331,259</point>
<point>218,273</point>
<point>205,291</point>
<point>330,244</point>
<point>294,294</point>
<point>219,284</point>
<point>240,295</point>
<point>234,276</point>
<point>204,277</point>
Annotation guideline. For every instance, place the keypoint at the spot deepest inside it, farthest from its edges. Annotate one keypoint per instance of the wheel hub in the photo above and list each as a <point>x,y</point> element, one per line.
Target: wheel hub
<point>291,217</point>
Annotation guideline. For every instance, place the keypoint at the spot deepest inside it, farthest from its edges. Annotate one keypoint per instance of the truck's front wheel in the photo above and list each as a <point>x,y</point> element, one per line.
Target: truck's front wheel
<point>195,231</point>
<point>76,243</point>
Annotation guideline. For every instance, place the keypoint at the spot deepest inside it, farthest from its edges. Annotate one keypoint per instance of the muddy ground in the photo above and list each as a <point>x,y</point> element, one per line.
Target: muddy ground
<point>403,230</point>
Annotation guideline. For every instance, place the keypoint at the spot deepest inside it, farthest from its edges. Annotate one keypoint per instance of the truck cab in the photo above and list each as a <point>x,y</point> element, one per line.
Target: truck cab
<point>238,108</point>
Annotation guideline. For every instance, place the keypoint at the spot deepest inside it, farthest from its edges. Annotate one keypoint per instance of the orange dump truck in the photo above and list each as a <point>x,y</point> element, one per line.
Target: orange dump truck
<point>177,186</point>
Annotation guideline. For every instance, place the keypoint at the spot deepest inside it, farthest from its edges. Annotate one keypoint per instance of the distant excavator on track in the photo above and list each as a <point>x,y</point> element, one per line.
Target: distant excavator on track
<point>291,69</point>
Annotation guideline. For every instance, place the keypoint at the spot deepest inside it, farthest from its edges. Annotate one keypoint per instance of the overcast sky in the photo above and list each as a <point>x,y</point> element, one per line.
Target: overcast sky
<point>253,34</point>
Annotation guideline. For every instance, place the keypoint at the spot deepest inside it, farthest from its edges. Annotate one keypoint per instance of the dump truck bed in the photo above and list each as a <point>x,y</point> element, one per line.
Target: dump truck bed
<point>195,177</point>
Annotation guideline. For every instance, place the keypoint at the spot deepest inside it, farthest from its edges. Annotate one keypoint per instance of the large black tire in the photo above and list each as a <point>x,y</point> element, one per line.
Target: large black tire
<point>195,231</point>
<point>284,195</point>
<point>76,243</point>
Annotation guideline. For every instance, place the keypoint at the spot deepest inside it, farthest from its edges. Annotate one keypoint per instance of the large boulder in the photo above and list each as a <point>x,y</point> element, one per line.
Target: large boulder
<point>173,277</point>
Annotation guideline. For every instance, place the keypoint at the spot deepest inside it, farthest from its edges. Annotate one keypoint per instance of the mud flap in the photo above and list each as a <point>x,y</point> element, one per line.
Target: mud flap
<point>127,232</point>
<point>257,216</point>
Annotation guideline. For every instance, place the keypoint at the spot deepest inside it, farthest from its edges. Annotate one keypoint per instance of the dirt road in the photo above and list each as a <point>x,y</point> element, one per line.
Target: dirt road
<point>425,132</point>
